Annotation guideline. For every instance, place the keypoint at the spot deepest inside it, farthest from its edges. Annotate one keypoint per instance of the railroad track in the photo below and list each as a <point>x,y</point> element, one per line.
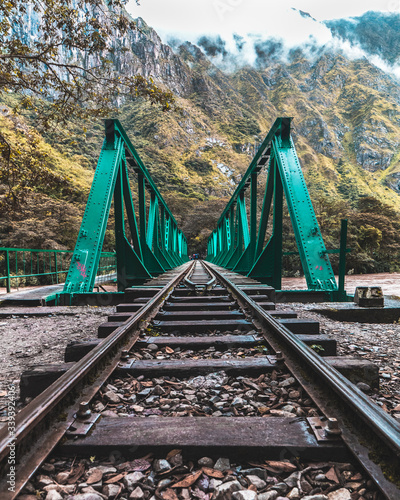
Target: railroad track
<point>198,387</point>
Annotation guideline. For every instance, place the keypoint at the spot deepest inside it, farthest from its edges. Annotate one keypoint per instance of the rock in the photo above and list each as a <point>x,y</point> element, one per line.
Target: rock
<point>206,462</point>
<point>287,382</point>
<point>161,465</point>
<point>112,397</point>
<point>294,494</point>
<point>176,460</point>
<point>291,480</point>
<point>238,402</point>
<point>245,495</point>
<point>137,408</point>
<point>210,381</point>
<point>184,494</point>
<point>62,477</point>
<point>320,477</point>
<point>111,490</point>
<point>137,493</point>
<point>281,488</point>
<point>46,467</point>
<point>315,497</point>
<point>261,473</point>
<point>203,483</point>
<point>105,469</point>
<point>164,483</point>
<point>51,487</point>
<point>342,494</point>
<point>53,495</point>
<point>257,482</point>
<point>268,495</point>
<point>109,414</point>
<point>98,407</point>
<point>222,464</point>
<point>214,483</point>
<point>86,496</point>
<point>152,347</point>
<point>281,413</point>
<point>130,480</point>
<point>289,408</point>
<point>363,387</point>
<point>158,390</point>
<point>88,489</point>
<point>43,481</point>
<point>226,490</point>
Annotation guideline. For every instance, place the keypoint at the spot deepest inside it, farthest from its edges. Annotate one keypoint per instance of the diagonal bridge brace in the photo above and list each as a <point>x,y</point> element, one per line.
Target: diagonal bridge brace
<point>143,249</point>
<point>239,245</point>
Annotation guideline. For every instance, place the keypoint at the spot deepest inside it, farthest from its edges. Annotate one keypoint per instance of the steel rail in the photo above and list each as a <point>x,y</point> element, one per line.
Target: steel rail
<point>50,401</point>
<point>382,425</point>
<point>205,286</point>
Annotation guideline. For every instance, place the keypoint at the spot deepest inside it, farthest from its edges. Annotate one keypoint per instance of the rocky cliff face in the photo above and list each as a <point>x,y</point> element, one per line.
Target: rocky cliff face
<point>344,110</point>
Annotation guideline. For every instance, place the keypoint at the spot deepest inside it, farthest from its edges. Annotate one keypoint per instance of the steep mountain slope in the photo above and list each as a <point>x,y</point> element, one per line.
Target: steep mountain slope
<point>346,130</point>
<point>376,33</point>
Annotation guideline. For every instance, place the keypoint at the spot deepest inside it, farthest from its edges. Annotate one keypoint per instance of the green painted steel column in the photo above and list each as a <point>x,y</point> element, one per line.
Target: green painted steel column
<point>277,231</point>
<point>142,208</point>
<point>269,190</point>
<point>253,217</point>
<point>342,259</point>
<point>120,233</point>
<point>8,279</point>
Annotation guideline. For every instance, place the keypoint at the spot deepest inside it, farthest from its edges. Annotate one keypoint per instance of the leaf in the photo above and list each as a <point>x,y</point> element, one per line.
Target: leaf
<point>173,453</point>
<point>169,494</point>
<point>139,464</point>
<point>169,350</point>
<point>116,478</point>
<point>276,466</point>
<point>188,481</point>
<point>217,474</point>
<point>76,473</point>
<point>95,477</point>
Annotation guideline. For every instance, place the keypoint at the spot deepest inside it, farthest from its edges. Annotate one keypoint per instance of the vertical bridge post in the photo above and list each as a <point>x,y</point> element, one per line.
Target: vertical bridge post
<point>251,252</point>
<point>143,249</point>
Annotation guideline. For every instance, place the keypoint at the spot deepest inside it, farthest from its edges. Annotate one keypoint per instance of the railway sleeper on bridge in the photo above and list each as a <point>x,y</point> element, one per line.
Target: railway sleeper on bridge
<point>202,357</point>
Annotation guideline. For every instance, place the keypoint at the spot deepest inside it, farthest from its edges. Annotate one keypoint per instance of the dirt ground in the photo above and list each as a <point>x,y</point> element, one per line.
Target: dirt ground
<point>26,341</point>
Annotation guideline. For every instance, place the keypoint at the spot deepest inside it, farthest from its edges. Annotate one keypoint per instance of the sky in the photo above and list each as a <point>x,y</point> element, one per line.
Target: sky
<point>191,18</point>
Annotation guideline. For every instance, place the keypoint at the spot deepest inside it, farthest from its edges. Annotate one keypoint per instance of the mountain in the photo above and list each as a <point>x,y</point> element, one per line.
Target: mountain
<point>374,32</point>
<point>346,130</point>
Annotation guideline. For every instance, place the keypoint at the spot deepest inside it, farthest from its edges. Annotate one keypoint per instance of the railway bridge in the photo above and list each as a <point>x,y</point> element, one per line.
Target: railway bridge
<point>200,384</point>
<point>149,241</point>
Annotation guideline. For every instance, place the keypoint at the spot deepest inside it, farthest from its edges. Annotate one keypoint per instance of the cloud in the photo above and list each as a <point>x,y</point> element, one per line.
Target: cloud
<point>237,33</point>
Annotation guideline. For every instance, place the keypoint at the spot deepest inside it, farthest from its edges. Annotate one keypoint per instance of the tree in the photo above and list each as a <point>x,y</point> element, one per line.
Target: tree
<point>65,67</point>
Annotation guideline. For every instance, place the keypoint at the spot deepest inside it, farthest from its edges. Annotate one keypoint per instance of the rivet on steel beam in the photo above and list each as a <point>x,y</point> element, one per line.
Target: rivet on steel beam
<point>124,354</point>
<point>332,427</point>
<point>84,411</point>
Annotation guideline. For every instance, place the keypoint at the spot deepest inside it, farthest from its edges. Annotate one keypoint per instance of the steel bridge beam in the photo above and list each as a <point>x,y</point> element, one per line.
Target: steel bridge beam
<point>234,245</point>
<point>153,245</point>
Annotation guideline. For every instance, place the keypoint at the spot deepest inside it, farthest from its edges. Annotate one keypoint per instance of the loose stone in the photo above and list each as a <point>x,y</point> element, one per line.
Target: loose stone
<point>222,464</point>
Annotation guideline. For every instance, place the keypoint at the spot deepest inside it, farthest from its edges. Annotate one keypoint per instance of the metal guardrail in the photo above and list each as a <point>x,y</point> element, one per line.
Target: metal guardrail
<point>27,266</point>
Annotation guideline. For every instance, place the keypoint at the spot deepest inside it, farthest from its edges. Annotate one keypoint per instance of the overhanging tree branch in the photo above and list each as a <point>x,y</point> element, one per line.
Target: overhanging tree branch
<point>66,67</point>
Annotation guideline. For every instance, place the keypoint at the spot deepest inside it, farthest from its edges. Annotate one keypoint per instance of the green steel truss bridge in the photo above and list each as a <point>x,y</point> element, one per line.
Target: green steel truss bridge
<point>148,241</point>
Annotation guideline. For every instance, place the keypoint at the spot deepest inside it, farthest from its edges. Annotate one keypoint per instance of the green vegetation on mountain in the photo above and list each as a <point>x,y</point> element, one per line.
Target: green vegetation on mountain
<point>345,127</point>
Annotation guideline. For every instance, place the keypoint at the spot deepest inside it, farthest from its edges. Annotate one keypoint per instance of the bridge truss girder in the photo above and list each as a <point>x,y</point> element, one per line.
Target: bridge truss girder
<point>238,243</point>
<point>155,244</point>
